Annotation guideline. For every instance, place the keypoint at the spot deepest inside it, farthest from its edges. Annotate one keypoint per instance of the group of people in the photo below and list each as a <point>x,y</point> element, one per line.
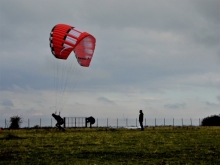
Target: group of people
<point>91,120</point>
<point>60,121</point>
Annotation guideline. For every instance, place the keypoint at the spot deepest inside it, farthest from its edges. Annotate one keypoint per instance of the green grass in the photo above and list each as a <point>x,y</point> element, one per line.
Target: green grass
<point>189,145</point>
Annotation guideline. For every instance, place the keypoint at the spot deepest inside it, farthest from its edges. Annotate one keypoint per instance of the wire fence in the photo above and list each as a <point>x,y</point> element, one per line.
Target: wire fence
<point>71,122</point>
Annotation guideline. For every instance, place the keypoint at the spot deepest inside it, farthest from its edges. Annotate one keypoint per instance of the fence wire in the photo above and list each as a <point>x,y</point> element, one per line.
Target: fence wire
<point>105,122</point>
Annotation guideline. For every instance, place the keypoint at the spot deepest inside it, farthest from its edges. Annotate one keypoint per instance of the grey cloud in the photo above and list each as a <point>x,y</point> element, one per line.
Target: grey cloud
<point>105,100</point>
<point>33,112</point>
<point>211,104</point>
<point>115,18</point>
<point>175,106</point>
<point>218,97</point>
<point>208,9</point>
<point>8,112</point>
<point>7,102</point>
<point>142,46</point>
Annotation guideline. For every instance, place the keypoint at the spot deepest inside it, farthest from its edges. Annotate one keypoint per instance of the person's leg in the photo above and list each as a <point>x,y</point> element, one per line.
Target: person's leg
<point>142,128</point>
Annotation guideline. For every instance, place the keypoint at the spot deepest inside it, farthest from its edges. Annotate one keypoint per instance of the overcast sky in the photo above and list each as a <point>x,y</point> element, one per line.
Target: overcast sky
<point>161,56</point>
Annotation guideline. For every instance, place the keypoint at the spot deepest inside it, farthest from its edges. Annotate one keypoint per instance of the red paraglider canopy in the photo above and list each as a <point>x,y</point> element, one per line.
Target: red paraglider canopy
<point>64,39</point>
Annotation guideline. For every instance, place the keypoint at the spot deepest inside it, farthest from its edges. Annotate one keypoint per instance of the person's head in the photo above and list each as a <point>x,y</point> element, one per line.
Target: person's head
<point>140,111</point>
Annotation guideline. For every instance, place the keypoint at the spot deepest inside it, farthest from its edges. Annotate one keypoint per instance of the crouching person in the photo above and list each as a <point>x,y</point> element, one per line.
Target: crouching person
<point>90,120</point>
<point>59,120</point>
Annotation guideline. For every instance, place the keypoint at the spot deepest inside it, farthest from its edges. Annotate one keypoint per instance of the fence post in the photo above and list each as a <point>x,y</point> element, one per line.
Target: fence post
<point>5,123</point>
<point>85,123</point>
<point>82,122</point>
<point>28,123</point>
<point>117,120</point>
<point>97,123</point>
<point>40,122</point>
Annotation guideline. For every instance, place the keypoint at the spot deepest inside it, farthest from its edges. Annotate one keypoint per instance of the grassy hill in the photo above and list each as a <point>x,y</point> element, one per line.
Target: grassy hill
<point>160,145</point>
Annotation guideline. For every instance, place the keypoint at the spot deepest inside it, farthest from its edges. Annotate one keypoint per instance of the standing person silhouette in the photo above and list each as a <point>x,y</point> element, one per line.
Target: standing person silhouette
<point>141,118</point>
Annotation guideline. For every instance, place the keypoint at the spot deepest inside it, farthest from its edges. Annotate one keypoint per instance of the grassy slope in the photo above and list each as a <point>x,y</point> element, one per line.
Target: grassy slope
<point>111,146</point>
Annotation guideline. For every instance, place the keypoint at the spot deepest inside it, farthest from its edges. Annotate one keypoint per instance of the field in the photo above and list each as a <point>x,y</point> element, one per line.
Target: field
<point>160,145</point>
